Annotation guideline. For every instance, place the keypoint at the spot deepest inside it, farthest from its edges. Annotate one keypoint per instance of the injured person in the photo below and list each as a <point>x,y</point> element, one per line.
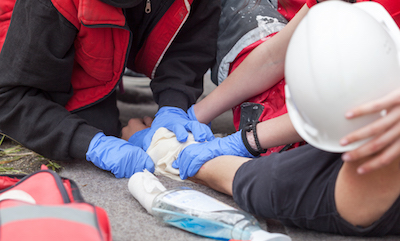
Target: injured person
<point>348,182</point>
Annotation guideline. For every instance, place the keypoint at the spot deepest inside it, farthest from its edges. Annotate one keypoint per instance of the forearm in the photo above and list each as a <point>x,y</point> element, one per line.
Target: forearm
<point>262,69</point>
<point>43,126</point>
<point>276,132</point>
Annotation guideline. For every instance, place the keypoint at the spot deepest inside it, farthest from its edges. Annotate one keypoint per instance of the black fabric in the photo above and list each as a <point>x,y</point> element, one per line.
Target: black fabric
<point>297,187</point>
<point>35,83</point>
<point>249,112</point>
<point>247,144</point>
<point>104,116</point>
<point>238,18</point>
<point>123,3</point>
<point>178,80</point>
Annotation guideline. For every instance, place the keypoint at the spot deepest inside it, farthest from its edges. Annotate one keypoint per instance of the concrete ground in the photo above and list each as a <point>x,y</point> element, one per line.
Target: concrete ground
<point>129,220</point>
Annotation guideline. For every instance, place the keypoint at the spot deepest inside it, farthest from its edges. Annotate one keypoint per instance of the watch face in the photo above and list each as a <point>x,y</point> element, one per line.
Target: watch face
<point>122,3</point>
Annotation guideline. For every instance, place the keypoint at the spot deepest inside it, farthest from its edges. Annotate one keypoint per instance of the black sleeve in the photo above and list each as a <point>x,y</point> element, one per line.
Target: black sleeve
<point>35,83</point>
<point>179,77</point>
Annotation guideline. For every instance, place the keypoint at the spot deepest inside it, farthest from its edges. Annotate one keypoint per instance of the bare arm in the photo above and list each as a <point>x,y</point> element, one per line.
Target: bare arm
<point>276,132</point>
<point>262,69</point>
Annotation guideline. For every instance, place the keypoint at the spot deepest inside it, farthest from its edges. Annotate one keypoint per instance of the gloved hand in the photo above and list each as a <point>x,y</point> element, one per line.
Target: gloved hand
<point>194,156</point>
<point>118,156</point>
<point>137,138</point>
<point>177,121</point>
<point>192,116</point>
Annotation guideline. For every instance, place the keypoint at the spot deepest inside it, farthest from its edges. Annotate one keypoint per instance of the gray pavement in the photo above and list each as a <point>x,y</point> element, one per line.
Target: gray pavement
<point>130,221</point>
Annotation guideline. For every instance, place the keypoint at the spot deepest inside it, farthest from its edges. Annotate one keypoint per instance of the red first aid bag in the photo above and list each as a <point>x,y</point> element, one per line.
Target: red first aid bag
<point>44,206</point>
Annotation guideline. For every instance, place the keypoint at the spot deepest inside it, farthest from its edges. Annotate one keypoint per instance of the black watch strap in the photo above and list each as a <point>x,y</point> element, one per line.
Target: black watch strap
<point>252,127</point>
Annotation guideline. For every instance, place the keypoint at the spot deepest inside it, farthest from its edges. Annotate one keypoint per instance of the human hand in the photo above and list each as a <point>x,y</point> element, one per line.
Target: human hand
<point>192,115</point>
<point>384,146</point>
<point>194,156</point>
<point>177,121</point>
<point>118,156</point>
<point>135,125</point>
<point>137,138</point>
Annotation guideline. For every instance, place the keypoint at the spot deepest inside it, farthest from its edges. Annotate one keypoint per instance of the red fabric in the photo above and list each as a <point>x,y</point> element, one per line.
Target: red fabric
<point>6,8</point>
<point>311,3</point>
<point>104,13</point>
<point>160,38</point>
<point>289,9</point>
<point>6,182</point>
<point>51,228</point>
<point>67,186</point>
<point>273,100</point>
<point>100,52</point>
<point>42,195</point>
<point>50,217</point>
<point>104,223</point>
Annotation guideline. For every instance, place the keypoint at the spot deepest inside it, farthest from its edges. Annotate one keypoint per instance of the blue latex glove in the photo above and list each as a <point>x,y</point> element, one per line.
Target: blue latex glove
<point>118,156</point>
<point>137,138</point>
<point>194,156</point>
<point>192,116</point>
<point>176,120</point>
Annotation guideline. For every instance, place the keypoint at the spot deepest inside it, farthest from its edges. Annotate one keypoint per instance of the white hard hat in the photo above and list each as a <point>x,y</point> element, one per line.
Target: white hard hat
<point>340,56</point>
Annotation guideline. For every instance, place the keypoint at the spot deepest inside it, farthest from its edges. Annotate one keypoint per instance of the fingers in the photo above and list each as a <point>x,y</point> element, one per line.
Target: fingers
<point>175,164</point>
<point>149,165</point>
<point>134,125</point>
<point>197,161</point>
<point>147,139</point>
<point>201,132</point>
<point>180,132</point>
<point>382,150</point>
<point>189,161</point>
<point>382,159</point>
<point>208,132</point>
<point>377,127</point>
<point>147,121</point>
<point>139,161</point>
<point>184,162</point>
<point>375,145</point>
<point>375,106</point>
<point>384,146</point>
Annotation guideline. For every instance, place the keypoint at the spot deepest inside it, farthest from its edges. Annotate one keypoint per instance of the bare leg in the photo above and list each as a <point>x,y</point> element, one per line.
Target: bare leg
<point>363,199</point>
<point>219,172</point>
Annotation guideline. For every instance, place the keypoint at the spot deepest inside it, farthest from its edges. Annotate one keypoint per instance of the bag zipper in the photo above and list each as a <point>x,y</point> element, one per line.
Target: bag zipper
<point>147,9</point>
